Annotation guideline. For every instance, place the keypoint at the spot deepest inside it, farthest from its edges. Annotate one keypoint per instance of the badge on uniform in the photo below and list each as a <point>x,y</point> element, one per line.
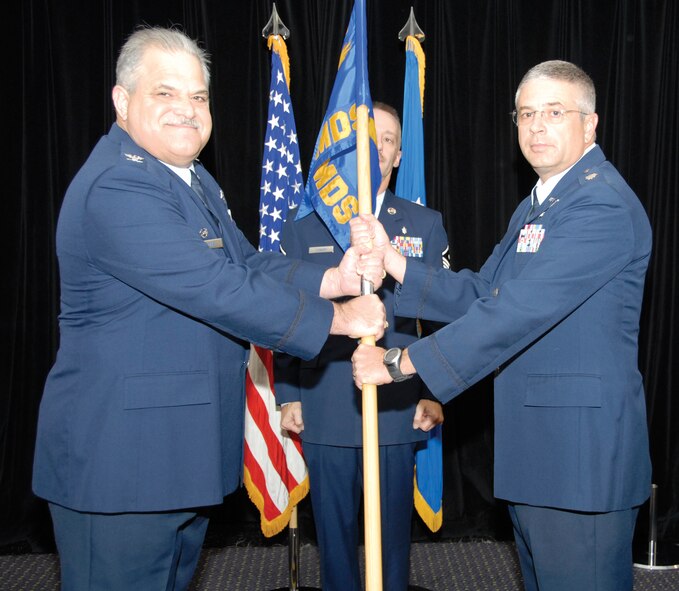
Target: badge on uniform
<point>214,243</point>
<point>321,249</point>
<point>408,246</point>
<point>530,238</point>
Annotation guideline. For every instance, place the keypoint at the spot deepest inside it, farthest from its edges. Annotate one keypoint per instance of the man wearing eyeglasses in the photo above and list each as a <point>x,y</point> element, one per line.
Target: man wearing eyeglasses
<point>554,313</point>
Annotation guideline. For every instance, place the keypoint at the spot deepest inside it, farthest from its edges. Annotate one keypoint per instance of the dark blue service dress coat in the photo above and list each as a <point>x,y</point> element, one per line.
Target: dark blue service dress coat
<point>143,409</point>
<point>554,311</point>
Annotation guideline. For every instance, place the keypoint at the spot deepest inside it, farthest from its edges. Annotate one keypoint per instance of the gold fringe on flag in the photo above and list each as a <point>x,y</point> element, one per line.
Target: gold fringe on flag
<point>280,522</point>
<point>432,520</point>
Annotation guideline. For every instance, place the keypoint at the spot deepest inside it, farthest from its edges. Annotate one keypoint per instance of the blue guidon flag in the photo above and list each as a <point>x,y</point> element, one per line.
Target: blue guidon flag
<point>332,184</point>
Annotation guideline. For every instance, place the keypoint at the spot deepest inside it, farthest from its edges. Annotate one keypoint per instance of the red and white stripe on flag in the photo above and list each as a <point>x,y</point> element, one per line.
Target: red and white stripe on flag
<point>275,473</point>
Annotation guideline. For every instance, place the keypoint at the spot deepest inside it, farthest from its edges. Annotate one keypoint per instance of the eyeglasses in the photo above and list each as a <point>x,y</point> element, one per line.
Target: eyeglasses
<point>552,116</point>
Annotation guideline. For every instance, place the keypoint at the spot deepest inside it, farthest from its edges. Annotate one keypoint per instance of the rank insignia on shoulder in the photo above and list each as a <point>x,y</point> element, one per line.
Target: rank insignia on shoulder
<point>592,176</point>
<point>134,157</point>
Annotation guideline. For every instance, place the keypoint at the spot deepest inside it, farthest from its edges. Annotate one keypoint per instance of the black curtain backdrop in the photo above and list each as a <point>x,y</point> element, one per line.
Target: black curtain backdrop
<point>59,71</point>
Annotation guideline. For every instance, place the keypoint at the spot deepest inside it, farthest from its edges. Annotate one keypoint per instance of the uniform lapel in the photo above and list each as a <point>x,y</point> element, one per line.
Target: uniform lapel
<point>219,207</point>
<point>564,187</point>
<point>390,215</point>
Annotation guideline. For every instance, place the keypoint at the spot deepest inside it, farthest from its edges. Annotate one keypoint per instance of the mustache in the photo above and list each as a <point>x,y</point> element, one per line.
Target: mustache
<point>184,121</point>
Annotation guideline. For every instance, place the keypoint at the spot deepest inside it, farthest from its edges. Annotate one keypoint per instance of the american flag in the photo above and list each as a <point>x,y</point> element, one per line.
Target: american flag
<point>282,183</point>
<point>275,473</point>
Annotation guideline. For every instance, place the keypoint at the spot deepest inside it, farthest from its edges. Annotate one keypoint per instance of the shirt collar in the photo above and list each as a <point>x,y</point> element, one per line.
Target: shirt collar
<point>182,173</point>
<point>379,200</point>
<point>542,190</point>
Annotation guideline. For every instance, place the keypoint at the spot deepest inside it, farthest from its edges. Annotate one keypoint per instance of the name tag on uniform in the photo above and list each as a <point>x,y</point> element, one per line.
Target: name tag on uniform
<point>321,249</point>
<point>214,243</point>
<point>530,238</point>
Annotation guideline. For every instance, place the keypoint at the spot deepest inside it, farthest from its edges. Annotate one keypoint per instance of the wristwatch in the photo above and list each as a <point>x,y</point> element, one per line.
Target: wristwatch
<point>392,359</point>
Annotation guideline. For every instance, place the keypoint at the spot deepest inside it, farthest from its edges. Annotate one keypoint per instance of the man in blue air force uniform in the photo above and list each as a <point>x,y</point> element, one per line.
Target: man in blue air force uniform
<point>554,312</point>
<point>325,406</point>
<point>141,421</point>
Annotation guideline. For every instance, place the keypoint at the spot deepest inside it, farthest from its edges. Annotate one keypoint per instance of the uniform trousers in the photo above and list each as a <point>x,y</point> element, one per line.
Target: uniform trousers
<point>125,551</point>
<point>336,483</point>
<point>563,550</point>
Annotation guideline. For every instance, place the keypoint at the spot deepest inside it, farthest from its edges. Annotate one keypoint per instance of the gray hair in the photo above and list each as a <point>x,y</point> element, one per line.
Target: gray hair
<point>568,72</point>
<point>170,40</point>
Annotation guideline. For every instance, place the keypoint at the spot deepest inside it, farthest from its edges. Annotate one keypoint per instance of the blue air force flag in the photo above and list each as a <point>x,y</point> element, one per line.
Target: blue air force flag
<point>410,181</point>
<point>410,185</point>
<point>332,185</point>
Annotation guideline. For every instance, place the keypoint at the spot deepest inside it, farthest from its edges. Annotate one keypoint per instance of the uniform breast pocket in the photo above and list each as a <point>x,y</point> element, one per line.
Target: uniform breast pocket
<point>166,389</point>
<point>563,390</point>
<point>519,261</point>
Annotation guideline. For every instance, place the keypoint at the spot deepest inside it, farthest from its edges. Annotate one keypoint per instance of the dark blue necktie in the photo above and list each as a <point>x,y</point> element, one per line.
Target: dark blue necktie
<point>198,188</point>
<point>533,204</point>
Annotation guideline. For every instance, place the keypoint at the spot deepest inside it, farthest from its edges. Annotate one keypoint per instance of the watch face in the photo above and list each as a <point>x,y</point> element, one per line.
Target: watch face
<point>391,355</point>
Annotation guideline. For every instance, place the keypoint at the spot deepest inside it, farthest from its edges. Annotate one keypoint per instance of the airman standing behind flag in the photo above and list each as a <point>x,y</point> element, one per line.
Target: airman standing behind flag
<point>325,407</point>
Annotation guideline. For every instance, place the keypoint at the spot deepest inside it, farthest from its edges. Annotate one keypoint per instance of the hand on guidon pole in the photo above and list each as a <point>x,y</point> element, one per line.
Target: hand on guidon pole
<point>367,230</point>
<point>368,366</point>
<point>362,316</point>
<point>358,263</point>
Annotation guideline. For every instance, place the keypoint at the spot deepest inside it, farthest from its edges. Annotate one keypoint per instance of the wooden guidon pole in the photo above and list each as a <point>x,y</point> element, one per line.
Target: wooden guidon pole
<point>371,457</point>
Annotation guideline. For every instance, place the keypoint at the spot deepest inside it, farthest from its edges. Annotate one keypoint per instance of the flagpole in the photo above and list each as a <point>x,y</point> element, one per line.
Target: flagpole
<point>371,458</point>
